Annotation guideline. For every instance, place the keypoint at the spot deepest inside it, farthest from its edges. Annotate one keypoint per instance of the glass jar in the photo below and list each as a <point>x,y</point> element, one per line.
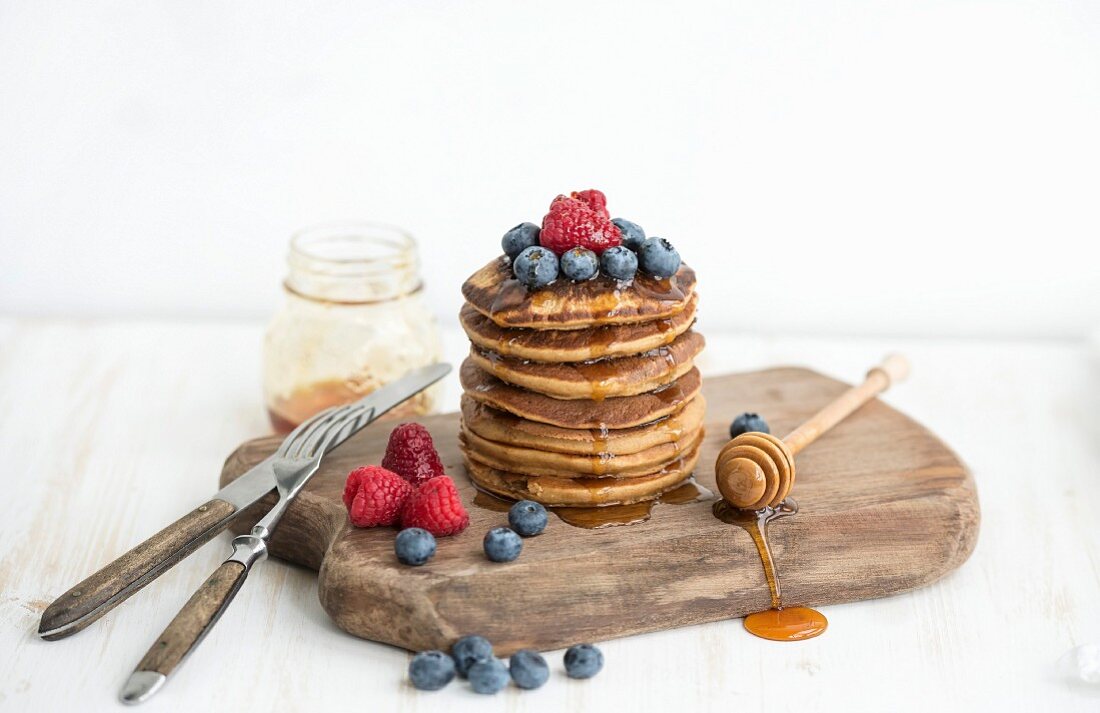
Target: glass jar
<point>354,320</point>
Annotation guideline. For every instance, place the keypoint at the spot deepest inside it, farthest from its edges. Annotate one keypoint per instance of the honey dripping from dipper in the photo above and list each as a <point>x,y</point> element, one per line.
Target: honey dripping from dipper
<point>778,623</point>
<point>755,473</point>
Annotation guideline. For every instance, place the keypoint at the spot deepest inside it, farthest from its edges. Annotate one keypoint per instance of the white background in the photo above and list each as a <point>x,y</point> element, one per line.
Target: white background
<point>922,168</point>
<point>922,174</point>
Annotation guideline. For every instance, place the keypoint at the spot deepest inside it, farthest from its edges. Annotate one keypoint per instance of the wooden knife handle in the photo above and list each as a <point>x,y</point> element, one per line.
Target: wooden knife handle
<point>112,585</point>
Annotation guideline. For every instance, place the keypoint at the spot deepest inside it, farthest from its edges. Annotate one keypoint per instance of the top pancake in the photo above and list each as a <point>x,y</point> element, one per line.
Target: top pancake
<point>494,292</point>
<point>569,345</point>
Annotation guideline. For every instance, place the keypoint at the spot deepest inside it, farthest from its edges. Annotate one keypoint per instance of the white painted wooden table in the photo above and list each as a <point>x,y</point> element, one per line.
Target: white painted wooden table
<point>110,430</point>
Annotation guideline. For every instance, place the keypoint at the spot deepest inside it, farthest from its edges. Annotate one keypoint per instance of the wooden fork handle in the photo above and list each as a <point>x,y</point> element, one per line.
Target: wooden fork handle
<point>185,632</point>
<point>196,618</point>
<point>112,585</point>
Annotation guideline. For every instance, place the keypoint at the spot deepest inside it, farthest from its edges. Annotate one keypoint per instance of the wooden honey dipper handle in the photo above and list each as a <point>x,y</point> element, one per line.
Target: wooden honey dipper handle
<point>756,470</point>
<point>894,368</point>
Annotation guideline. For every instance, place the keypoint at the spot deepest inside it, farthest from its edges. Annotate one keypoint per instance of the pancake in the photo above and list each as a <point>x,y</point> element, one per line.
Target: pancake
<point>494,292</point>
<point>562,465</point>
<point>503,427</point>
<point>557,345</point>
<point>562,492</point>
<point>600,379</point>
<point>621,412</point>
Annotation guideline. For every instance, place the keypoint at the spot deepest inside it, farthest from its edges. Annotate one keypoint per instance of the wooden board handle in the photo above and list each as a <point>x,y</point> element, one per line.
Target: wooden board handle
<point>893,369</point>
<point>112,585</point>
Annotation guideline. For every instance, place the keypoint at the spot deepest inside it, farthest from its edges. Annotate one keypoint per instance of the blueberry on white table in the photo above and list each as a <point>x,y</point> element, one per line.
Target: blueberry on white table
<point>431,670</point>
<point>488,676</point>
<point>469,650</point>
<point>529,669</point>
<point>583,661</point>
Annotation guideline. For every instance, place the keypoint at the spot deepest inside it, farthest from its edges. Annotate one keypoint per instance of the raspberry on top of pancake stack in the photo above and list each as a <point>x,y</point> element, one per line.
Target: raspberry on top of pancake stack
<point>580,388</point>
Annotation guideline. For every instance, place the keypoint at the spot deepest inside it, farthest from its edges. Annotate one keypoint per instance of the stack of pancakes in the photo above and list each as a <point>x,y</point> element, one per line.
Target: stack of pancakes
<point>581,393</point>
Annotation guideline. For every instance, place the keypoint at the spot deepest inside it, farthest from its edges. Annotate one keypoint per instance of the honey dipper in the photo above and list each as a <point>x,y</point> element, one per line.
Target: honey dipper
<point>756,470</point>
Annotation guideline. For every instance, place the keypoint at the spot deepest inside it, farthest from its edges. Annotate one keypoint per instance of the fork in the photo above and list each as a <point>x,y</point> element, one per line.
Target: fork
<point>296,460</point>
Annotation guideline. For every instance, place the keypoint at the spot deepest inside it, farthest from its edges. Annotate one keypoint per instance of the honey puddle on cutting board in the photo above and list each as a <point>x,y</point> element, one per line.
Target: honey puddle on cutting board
<point>594,518</point>
<point>777,623</point>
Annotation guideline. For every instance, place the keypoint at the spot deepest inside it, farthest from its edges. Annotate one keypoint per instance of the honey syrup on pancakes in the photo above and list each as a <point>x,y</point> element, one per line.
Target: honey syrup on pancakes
<point>778,623</point>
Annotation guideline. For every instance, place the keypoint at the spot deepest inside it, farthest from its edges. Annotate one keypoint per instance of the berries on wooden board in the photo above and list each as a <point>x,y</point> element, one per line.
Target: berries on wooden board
<point>502,544</point>
<point>414,546</point>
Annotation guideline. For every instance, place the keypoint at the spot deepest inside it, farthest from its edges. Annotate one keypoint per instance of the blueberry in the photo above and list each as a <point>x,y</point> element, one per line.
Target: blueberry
<point>579,264</point>
<point>527,518</point>
<point>528,669</point>
<point>519,239</point>
<point>414,546</point>
<point>431,670</point>
<point>488,676</point>
<point>748,422</point>
<point>536,267</point>
<point>502,544</point>
<point>658,258</point>
<point>619,262</point>
<point>583,661</point>
<point>633,235</point>
<point>469,650</point>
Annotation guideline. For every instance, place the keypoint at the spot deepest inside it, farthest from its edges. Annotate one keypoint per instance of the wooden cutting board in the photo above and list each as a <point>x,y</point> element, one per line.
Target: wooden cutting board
<point>885,507</point>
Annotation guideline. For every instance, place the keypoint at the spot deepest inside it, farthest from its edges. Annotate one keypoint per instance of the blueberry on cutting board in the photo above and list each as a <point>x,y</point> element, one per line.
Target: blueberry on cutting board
<point>747,422</point>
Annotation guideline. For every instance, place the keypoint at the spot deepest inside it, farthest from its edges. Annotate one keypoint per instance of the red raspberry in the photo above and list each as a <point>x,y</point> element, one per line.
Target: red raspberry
<point>412,455</point>
<point>594,199</point>
<point>436,507</point>
<point>572,223</point>
<point>375,496</point>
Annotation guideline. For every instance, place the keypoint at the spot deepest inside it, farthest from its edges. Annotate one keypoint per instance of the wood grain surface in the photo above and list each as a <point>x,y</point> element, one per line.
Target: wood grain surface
<point>885,507</point>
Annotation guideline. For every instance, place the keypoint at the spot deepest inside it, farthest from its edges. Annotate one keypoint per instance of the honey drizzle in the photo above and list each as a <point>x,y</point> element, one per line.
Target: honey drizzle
<point>511,293</point>
<point>595,518</point>
<point>599,373</point>
<point>777,623</point>
<point>599,439</point>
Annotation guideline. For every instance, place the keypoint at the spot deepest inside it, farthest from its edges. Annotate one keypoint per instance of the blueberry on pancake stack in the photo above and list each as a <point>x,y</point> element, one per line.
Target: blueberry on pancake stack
<point>580,388</point>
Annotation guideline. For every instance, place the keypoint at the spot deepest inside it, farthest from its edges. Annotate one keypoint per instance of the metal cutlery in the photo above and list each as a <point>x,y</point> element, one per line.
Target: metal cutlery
<point>286,471</point>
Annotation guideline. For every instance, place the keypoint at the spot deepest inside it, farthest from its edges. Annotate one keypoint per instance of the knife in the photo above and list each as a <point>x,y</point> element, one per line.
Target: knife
<point>112,585</point>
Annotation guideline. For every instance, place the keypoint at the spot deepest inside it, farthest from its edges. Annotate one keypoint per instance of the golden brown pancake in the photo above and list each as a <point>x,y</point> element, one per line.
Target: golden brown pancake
<point>562,465</point>
<point>557,345</point>
<point>494,292</point>
<point>563,492</point>
<point>621,412</point>
<point>503,427</point>
<point>603,378</point>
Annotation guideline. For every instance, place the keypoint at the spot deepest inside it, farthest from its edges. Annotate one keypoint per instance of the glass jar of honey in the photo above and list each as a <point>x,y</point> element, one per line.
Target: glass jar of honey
<point>354,320</point>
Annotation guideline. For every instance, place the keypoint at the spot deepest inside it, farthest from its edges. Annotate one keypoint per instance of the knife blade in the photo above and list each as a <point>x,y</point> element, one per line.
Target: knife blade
<point>113,584</point>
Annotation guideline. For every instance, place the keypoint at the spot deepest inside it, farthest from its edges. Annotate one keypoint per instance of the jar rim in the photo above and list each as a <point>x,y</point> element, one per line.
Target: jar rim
<point>346,243</point>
